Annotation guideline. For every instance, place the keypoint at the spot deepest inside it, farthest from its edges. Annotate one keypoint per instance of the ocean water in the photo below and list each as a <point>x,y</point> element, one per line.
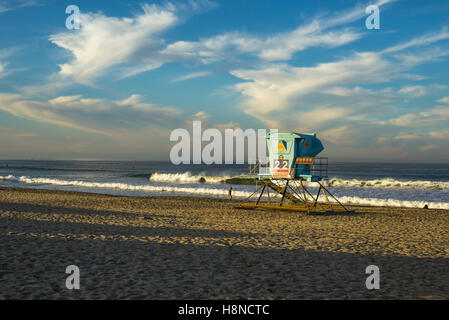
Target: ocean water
<point>409,185</point>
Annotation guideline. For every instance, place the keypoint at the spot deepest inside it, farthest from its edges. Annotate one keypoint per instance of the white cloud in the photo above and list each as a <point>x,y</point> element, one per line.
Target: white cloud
<point>201,115</point>
<point>415,91</point>
<point>122,47</point>
<point>8,5</point>
<point>353,14</point>
<point>429,147</point>
<point>441,134</point>
<point>280,95</point>
<point>420,137</point>
<point>433,117</point>
<point>104,42</point>
<point>277,47</point>
<point>98,116</point>
<point>131,45</point>
<point>381,140</point>
<point>5,70</point>
<point>330,98</point>
<point>444,100</point>
<point>282,47</point>
<point>192,75</point>
<point>344,92</point>
<point>4,54</point>
<point>315,34</point>
<point>278,88</point>
<point>423,40</point>
<point>341,135</point>
<point>411,136</point>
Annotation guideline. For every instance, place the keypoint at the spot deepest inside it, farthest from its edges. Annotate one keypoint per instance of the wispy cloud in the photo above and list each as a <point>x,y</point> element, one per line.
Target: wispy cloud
<point>423,40</point>
<point>104,42</point>
<point>354,98</point>
<point>6,5</point>
<point>132,45</point>
<point>444,100</point>
<point>192,75</point>
<point>4,55</point>
<point>414,91</point>
<point>433,117</point>
<point>98,116</point>
<point>124,46</point>
<point>353,14</point>
<point>276,89</point>
<point>276,47</point>
<point>429,147</point>
<point>2,69</point>
<point>320,32</point>
<point>275,92</point>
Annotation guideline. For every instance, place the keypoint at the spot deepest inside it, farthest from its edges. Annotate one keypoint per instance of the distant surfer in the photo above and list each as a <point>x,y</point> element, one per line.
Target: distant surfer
<point>230,193</point>
<point>426,206</point>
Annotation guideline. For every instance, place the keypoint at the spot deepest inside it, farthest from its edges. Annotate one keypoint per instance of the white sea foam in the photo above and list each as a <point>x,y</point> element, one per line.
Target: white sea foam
<point>392,202</point>
<point>386,183</point>
<point>186,177</point>
<point>221,192</point>
<point>124,186</point>
<point>389,183</point>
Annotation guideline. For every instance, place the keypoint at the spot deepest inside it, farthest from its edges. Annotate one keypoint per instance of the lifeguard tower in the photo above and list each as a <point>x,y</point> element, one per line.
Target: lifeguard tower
<point>292,161</point>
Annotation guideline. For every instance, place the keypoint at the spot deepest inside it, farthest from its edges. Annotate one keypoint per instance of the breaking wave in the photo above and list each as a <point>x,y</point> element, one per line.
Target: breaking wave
<point>389,183</point>
<point>208,191</point>
<point>124,186</point>
<point>391,202</point>
<point>187,177</point>
<point>386,183</point>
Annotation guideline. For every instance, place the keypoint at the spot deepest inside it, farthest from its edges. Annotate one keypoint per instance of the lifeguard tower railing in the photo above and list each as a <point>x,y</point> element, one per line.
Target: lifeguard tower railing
<point>318,167</point>
<point>291,187</point>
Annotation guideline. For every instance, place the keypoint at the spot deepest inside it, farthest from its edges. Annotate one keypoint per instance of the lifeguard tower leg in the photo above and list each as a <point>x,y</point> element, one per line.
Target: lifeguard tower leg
<point>261,194</point>
<point>283,194</point>
<point>324,189</point>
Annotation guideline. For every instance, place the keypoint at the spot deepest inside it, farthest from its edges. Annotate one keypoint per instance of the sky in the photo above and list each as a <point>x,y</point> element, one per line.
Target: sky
<point>115,88</point>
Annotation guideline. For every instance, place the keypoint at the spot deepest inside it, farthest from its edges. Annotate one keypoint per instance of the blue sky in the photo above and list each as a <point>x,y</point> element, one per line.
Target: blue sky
<point>135,70</point>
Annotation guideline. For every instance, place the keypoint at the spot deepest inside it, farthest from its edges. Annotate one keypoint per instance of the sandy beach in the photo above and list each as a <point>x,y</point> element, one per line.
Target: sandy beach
<point>199,248</point>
